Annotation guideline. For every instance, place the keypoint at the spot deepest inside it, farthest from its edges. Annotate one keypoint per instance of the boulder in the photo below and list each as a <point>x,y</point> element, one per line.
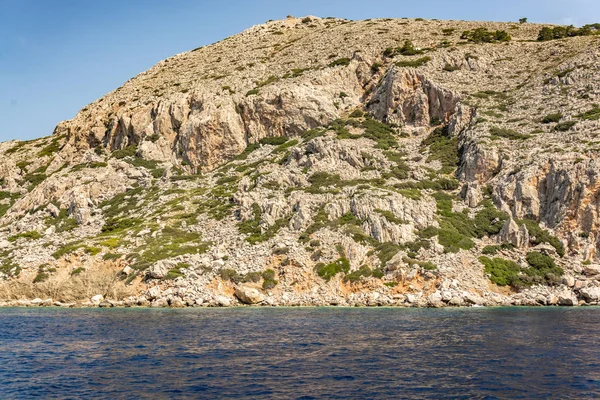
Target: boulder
<point>248,295</point>
<point>590,294</point>
<point>97,299</point>
<point>153,293</point>
<point>567,298</point>
<point>158,270</point>
<point>222,301</point>
<point>176,302</point>
<point>36,302</point>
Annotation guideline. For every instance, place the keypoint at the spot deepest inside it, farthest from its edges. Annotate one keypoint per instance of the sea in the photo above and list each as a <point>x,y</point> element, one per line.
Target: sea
<point>300,353</point>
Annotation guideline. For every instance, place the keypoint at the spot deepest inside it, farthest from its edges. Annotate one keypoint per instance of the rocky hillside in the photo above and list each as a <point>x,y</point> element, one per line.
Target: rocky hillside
<point>321,162</point>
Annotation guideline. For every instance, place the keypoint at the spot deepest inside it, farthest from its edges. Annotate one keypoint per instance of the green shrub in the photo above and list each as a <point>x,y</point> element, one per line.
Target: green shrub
<point>559,32</point>
<point>129,151</point>
<point>32,235</point>
<point>451,68</point>
<point>552,118</point>
<point>340,62</point>
<point>330,270</point>
<point>170,243</point>
<point>429,266</point>
<point>413,63</point>
<point>591,115</point>
<point>363,272</point>
<point>491,250</point>
<point>175,272</point>
<point>443,148</point>
<point>111,256</point>
<point>379,132</point>
<point>356,114</point>
<point>269,281</point>
<point>274,141</point>
<point>482,35</point>
<point>251,92</point>
<point>564,126</point>
<point>538,235</point>
<point>51,148</point>
<point>120,224</point>
<point>502,272</point>
<point>508,133</point>
<point>41,277</point>
<point>542,270</point>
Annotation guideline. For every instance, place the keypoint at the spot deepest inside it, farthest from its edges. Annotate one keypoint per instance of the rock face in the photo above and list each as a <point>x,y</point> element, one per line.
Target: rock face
<point>408,97</point>
<point>326,164</point>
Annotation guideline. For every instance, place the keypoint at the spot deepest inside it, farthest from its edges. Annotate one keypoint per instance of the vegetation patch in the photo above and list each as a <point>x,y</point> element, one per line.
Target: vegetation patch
<point>413,63</point>
<point>539,235</point>
<point>552,118</point>
<point>564,126</point>
<point>30,235</point>
<point>443,148</point>
<point>328,271</point>
<point>482,35</point>
<point>171,242</point>
<point>507,133</point>
<point>591,115</point>
<point>560,32</point>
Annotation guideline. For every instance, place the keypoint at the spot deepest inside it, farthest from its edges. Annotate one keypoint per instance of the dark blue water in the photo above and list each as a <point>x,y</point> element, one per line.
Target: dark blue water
<point>300,353</point>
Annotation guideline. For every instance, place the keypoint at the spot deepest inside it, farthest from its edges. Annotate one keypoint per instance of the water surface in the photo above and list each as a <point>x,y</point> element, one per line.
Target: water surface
<point>300,353</point>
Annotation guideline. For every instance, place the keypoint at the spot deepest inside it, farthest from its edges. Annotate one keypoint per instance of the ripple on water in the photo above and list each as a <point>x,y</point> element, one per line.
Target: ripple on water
<point>300,353</point>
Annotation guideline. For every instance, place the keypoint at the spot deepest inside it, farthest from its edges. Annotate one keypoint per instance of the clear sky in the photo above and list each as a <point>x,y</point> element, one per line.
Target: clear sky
<point>56,56</point>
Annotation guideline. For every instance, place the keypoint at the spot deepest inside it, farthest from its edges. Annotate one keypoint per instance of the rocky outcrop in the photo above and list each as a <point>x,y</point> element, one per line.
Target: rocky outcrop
<point>408,97</point>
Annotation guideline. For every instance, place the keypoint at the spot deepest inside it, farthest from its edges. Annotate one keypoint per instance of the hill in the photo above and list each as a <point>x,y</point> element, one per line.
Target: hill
<point>320,161</point>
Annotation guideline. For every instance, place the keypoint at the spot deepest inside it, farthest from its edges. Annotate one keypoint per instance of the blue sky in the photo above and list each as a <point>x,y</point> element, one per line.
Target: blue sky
<point>56,56</point>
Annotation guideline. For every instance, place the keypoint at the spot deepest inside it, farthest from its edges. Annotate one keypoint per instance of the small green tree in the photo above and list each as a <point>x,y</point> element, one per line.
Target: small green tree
<point>545,34</point>
<point>523,20</point>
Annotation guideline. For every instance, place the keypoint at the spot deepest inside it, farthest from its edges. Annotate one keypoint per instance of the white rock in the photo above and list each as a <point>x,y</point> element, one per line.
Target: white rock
<point>97,299</point>
<point>222,301</point>
<point>153,293</point>
<point>248,295</point>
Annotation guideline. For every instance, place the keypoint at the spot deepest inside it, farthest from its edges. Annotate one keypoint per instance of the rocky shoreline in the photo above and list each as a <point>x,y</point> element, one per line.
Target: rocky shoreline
<point>247,296</point>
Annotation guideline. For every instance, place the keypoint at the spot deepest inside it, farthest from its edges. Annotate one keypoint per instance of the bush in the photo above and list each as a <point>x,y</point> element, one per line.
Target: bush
<point>559,32</point>
<point>502,272</point>
<point>129,151</point>
<point>357,114</point>
<point>413,63</point>
<point>443,148</point>
<point>508,133</point>
<point>381,133</point>
<point>274,141</point>
<point>330,270</point>
<point>33,235</point>
<point>251,92</point>
<point>542,270</point>
<point>269,281</point>
<point>564,126</point>
<point>363,272</point>
<point>451,68</point>
<point>538,235</point>
<point>591,115</point>
<point>552,118</point>
<point>482,35</point>
<point>340,62</point>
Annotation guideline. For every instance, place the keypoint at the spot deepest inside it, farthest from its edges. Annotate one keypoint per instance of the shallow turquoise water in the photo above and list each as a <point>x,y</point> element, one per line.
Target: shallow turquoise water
<point>300,353</point>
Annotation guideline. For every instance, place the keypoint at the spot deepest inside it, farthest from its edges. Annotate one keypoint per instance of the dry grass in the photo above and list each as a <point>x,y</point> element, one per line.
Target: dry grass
<point>66,288</point>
